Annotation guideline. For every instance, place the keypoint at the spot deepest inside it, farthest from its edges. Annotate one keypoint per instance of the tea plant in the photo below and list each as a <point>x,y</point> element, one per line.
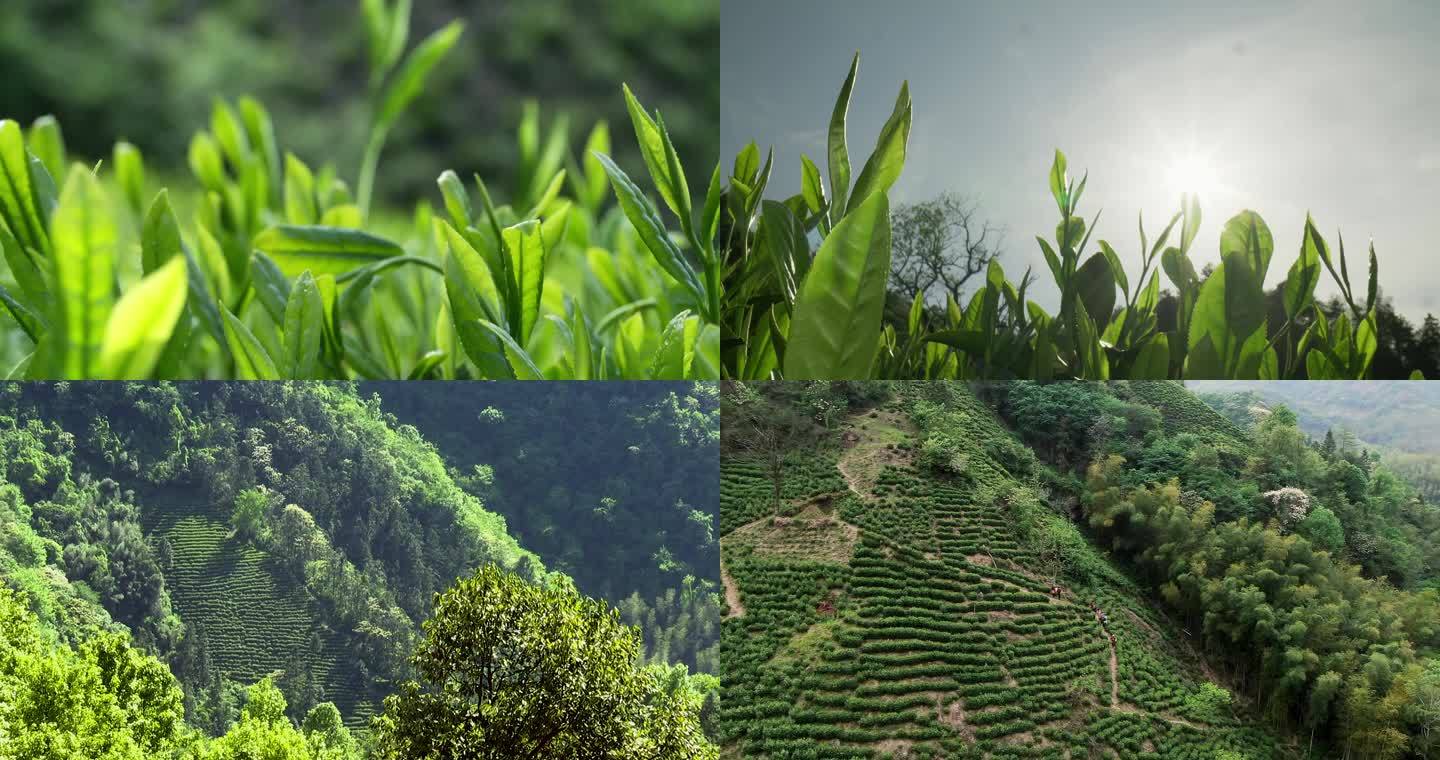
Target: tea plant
<point>939,637</point>
<point>794,313</point>
<point>273,269</point>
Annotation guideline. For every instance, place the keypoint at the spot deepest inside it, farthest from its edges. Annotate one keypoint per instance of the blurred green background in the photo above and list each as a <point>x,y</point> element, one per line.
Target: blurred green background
<point>147,71</point>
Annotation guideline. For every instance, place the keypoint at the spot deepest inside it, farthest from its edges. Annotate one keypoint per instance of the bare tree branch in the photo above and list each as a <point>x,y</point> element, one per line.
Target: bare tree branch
<point>938,245</point>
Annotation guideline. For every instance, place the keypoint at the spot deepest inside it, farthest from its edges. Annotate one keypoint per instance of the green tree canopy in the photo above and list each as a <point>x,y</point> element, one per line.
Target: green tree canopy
<point>514,669</point>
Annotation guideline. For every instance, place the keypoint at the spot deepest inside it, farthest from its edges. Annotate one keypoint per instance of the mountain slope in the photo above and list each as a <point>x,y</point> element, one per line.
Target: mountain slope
<point>906,610</point>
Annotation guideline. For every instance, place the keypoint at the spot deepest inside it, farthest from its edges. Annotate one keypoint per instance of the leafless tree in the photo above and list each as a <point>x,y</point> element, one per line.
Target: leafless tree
<point>938,245</point>
<point>753,426</point>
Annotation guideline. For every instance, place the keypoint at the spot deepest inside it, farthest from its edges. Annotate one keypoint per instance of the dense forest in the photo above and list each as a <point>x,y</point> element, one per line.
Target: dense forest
<point>1072,569</point>
<point>287,570</point>
<point>1394,422</point>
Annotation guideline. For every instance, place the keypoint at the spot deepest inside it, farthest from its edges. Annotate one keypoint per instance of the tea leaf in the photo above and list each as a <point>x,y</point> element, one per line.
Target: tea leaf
<point>142,323</point>
<point>322,250</point>
<point>409,79</point>
<point>521,365</point>
<point>304,325</point>
<point>888,160</point>
<point>646,220</point>
<point>1058,179</point>
<point>1095,285</point>
<point>1153,361</point>
<point>48,144</point>
<point>17,190</point>
<point>654,144</point>
<point>252,361</point>
<point>1247,233</point>
<point>473,299</point>
<point>1304,276</point>
<point>85,249</point>
<point>836,150</point>
<point>836,324</point>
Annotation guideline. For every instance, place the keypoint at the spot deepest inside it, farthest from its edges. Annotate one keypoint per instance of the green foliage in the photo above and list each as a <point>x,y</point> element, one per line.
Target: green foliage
<point>102,699</point>
<point>280,273</point>
<point>515,669</point>
<point>940,634</point>
<point>249,515</point>
<point>801,316</point>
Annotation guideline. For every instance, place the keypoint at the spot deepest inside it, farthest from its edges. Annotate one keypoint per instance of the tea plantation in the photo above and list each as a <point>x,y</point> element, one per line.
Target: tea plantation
<point>900,605</point>
<point>251,621</point>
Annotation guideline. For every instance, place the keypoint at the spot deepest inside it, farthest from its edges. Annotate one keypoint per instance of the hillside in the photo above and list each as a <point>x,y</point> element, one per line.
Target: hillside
<point>898,600</point>
<point>888,612</point>
<point>299,534</point>
<point>1402,416</point>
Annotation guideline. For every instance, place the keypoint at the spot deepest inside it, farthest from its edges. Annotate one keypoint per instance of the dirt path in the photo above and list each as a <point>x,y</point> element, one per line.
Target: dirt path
<point>849,478</point>
<point>1114,677</point>
<point>732,593</point>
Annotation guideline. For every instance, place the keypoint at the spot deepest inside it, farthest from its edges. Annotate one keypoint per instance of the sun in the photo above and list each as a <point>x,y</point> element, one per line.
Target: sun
<point>1194,174</point>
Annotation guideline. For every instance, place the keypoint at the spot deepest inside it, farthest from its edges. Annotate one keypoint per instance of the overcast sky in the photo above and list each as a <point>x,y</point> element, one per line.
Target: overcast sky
<point>1331,107</point>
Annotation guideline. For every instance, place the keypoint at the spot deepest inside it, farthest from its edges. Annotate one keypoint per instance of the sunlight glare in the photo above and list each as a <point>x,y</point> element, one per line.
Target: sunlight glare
<point>1192,173</point>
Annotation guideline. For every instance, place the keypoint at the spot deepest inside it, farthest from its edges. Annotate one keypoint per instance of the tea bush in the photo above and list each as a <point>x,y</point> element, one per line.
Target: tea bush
<point>800,314</point>
<point>940,637</point>
<point>280,270</point>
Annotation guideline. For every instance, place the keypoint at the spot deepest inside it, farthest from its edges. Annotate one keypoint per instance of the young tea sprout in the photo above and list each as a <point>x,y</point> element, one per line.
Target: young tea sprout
<point>796,311</point>
<point>269,268</point>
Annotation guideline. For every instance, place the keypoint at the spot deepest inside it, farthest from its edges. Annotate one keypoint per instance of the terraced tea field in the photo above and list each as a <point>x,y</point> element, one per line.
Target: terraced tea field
<point>253,622</point>
<point>895,614</point>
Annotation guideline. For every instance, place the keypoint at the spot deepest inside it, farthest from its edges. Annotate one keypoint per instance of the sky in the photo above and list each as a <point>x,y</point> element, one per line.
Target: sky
<point>1281,107</point>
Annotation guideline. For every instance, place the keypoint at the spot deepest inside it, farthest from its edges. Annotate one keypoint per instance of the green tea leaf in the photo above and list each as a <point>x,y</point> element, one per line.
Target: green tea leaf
<point>811,186</point>
<point>252,361</point>
<point>1095,284</point>
<point>1190,205</point>
<point>1058,183</point>
<point>85,250</point>
<point>1117,269</point>
<point>836,150</point>
<point>521,365</point>
<point>646,220</point>
<point>322,250</point>
<point>457,201</point>
<point>48,144</point>
<point>18,203</point>
<point>1304,276</point>
<point>142,323</point>
<point>887,161</point>
<point>836,324</point>
<point>26,270</point>
<point>654,145</point>
<point>1247,233</point>
<point>29,321</point>
<point>304,326</point>
<point>130,173</point>
<point>473,298</point>
<point>300,208</point>
<point>527,255</point>
<point>409,79</point>
<point>1153,361</point>
<point>272,287</point>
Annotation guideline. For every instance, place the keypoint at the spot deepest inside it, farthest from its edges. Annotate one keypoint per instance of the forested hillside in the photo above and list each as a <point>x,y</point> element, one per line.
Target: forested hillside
<point>1066,570</point>
<point>1397,424</point>
<point>601,466</point>
<point>276,551</point>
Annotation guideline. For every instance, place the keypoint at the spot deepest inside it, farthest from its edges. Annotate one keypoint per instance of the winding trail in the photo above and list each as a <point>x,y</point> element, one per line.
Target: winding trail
<point>732,593</point>
<point>1114,677</point>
